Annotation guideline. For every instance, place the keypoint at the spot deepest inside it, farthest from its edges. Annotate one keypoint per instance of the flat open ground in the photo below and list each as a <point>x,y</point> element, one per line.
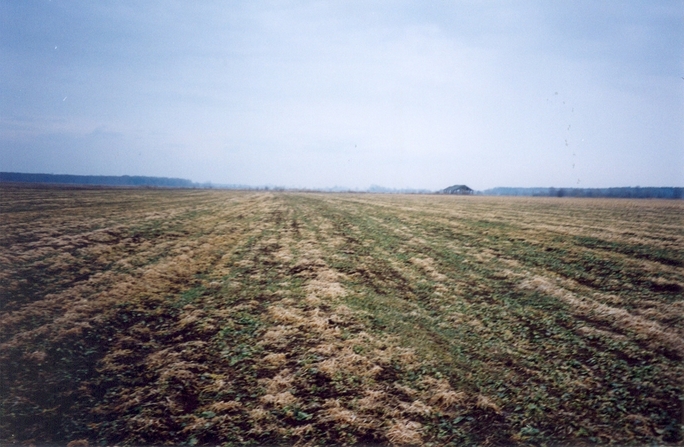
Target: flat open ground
<point>196,317</point>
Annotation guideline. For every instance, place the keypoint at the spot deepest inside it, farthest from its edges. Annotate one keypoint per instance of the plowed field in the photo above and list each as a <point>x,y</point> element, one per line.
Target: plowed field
<point>147,317</point>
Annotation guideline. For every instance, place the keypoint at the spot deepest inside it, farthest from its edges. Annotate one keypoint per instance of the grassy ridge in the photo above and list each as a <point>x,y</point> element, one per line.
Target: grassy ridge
<point>210,317</point>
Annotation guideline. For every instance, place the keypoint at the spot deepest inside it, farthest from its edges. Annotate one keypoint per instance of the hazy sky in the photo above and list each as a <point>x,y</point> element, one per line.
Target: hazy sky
<point>317,94</point>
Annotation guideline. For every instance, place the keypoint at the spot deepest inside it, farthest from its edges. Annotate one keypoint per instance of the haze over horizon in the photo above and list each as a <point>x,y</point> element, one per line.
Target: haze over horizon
<point>317,94</point>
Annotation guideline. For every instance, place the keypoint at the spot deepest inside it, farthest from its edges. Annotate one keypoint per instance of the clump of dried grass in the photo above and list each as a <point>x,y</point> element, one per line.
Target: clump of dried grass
<point>486,403</point>
<point>287,315</point>
<point>325,289</point>
<point>282,381</point>
<point>274,360</point>
<point>280,400</point>
<point>277,336</point>
<point>416,408</point>
<point>373,400</point>
<point>36,356</point>
<point>440,394</point>
<point>404,432</point>
<point>78,443</point>
<point>346,361</point>
<point>428,265</point>
<point>334,411</point>
<point>225,407</point>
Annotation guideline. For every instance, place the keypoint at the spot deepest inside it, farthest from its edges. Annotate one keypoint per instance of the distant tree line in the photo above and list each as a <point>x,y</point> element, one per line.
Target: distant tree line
<point>630,192</point>
<point>383,190</point>
<point>104,180</point>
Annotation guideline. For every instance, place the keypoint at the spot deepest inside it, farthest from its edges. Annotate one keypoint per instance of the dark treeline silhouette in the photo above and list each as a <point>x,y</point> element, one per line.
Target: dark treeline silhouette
<point>104,180</point>
<point>630,192</point>
<point>636,192</point>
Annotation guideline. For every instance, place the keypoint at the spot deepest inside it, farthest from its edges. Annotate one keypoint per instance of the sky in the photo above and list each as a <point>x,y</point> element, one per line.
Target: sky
<point>315,94</point>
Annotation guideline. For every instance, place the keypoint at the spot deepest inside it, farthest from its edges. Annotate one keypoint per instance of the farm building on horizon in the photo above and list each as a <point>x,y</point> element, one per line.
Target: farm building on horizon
<point>457,189</point>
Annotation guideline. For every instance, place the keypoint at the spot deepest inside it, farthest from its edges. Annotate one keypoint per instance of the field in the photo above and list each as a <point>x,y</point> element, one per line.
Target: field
<point>150,317</point>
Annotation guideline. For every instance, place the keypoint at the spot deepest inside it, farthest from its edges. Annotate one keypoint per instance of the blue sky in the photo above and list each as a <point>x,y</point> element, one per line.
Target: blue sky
<point>353,93</point>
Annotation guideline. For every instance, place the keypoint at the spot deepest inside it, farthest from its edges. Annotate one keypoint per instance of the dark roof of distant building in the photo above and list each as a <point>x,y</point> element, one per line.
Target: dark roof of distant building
<point>456,189</point>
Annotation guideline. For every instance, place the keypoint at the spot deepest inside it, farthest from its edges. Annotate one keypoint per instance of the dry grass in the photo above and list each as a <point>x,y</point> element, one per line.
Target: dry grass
<point>148,317</point>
